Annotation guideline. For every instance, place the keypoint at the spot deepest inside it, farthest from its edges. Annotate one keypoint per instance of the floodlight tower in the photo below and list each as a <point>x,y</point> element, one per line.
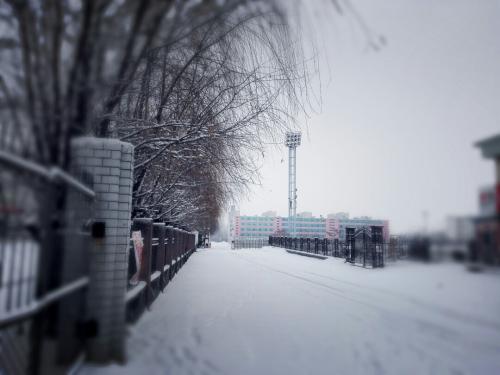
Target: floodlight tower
<point>292,141</point>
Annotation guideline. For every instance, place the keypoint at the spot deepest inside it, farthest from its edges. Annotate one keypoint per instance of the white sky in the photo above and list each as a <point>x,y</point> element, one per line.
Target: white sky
<point>395,133</point>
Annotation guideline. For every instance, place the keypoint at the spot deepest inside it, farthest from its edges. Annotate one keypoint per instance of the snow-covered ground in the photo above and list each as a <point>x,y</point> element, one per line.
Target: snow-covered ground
<point>264,311</point>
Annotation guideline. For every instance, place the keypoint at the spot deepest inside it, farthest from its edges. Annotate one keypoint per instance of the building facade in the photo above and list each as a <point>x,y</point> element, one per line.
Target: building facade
<point>487,235</point>
<point>306,225</point>
<point>460,228</point>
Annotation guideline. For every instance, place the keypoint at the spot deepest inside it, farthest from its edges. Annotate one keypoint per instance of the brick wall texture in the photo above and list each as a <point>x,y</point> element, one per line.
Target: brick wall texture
<point>110,163</point>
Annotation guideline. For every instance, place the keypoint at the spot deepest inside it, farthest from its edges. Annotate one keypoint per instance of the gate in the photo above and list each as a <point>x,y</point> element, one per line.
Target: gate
<point>365,246</point>
<point>44,242</point>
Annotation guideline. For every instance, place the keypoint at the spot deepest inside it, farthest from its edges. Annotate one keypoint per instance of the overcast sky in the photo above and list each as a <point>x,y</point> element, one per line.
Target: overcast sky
<point>395,132</point>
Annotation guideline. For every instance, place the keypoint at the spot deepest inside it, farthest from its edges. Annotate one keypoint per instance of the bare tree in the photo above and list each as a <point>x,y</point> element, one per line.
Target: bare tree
<point>63,63</point>
<point>203,105</point>
<point>197,86</point>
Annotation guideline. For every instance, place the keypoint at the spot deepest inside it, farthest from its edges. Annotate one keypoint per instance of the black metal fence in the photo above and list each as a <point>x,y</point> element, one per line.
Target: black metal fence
<point>249,243</point>
<point>46,226</point>
<point>44,217</point>
<point>362,247</point>
<point>156,253</point>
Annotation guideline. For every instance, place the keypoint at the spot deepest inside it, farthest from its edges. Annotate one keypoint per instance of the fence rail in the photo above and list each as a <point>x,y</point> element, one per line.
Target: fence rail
<point>44,213</point>
<point>251,243</point>
<point>362,250</point>
<point>156,253</point>
<point>63,258</point>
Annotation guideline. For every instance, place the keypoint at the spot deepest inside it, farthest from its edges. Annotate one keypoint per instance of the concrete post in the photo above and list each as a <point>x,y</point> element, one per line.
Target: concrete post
<point>110,163</point>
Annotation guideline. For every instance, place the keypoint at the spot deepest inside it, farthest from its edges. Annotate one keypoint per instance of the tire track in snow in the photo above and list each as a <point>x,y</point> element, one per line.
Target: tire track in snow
<point>463,318</point>
<point>452,336</point>
<point>326,287</point>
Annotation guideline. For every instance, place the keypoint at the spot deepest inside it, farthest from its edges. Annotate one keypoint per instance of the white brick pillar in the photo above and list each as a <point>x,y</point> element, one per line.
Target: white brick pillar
<point>110,163</point>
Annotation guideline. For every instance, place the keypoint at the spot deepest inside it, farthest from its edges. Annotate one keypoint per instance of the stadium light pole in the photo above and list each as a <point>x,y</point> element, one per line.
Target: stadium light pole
<point>292,141</point>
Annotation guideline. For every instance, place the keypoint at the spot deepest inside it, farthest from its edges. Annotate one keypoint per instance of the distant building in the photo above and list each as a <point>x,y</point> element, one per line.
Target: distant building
<point>233,213</point>
<point>487,201</point>
<point>305,214</point>
<point>487,239</point>
<point>256,227</point>
<point>338,215</point>
<point>460,228</point>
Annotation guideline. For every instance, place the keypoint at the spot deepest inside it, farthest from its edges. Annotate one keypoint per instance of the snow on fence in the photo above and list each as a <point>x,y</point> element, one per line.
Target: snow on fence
<point>156,253</point>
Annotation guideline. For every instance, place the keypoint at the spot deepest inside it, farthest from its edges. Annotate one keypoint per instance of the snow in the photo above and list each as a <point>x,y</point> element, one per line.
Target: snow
<point>265,311</point>
<point>96,142</point>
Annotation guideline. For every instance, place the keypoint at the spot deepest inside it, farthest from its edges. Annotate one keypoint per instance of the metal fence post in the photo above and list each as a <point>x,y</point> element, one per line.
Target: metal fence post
<point>169,250</point>
<point>159,233</point>
<point>47,239</point>
<point>183,247</point>
<point>175,253</point>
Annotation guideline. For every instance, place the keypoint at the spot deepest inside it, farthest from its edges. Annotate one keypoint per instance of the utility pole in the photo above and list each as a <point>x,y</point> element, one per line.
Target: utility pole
<point>292,141</point>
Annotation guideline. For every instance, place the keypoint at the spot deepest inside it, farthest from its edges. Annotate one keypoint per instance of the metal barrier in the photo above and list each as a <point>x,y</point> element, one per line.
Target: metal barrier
<point>251,243</point>
<point>44,232</point>
<point>363,247</point>
<point>156,253</point>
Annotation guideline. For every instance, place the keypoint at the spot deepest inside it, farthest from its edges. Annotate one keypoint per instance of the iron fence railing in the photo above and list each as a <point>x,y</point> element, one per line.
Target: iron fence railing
<point>250,243</point>
<point>156,253</point>
<point>44,217</point>
<point>360,251</point>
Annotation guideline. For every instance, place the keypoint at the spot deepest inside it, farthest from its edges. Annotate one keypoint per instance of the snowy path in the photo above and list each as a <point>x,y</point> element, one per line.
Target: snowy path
<point>269,312</point>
